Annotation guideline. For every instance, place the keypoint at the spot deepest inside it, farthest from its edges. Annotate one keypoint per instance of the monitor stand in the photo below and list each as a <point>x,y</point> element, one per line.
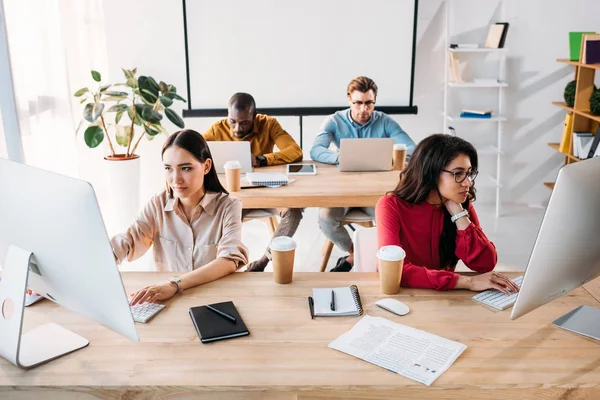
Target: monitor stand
<point>584,320</point>
<point>41,344</point>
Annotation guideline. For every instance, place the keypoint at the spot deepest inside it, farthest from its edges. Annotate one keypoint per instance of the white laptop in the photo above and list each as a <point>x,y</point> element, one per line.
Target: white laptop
<point>226,151</point>
<point>366,154</point>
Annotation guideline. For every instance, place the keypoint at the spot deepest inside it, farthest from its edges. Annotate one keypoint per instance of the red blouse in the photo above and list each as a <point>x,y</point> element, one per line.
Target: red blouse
<point>417,229</point>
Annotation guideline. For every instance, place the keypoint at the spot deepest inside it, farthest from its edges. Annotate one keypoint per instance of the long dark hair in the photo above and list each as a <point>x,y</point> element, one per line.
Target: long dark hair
<point>193,142</point>
<point>421,177</point>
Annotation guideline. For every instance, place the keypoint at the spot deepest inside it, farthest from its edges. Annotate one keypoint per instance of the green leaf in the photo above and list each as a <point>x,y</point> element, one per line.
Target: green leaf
<point>174,96</point>
<point>87,112</point>
<point>119,115</point>
<point>164,88</point>
<point>83,100</point>
<point>154,86</point>
<point>150,130</point>
<point>103,88</point>
<point>167,102</point>
<point>81,91</point>
<point>118,108</point>
<point>97,110</point>
<point>93,136</point>
<point>148,83</point>
<point>114,93</point>
<point>96,76</point>
<point>151,97</point>
<point>138,119</point>
<point>114,98</point>
<point>174,118</point>
<point>132,83</point>
<point>160,128</point>
<point>147,113</point>
<point>124,135</point>
<point>128,73</point>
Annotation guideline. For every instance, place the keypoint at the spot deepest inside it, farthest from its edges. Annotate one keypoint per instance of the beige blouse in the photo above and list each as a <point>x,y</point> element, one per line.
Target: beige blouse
<point>215,231</point>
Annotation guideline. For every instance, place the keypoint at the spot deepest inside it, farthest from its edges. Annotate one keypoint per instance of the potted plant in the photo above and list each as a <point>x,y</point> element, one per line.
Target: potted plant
<point>123,113</point>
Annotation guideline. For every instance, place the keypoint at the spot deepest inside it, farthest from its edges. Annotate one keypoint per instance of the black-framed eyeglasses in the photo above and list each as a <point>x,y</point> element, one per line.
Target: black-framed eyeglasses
<point>460,176</point>
<point>368,103</point>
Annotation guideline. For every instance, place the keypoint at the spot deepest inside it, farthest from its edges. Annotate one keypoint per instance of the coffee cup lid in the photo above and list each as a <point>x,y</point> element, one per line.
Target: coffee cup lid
<point>232,164</point>
<point>399,146</point>
<point>282,243</point>
<point>391,253</point>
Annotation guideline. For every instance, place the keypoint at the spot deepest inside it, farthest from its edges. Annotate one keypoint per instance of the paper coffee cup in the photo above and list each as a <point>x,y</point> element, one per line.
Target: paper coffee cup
<point>233,171</point>
<point>399,157</point>
<point>283,250</point>
<point>391,261</point>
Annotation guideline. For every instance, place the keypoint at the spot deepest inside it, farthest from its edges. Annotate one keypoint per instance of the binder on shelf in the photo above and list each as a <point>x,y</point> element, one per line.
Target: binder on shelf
<point>454,68</point>
<point>472,115</point>
<point>565,141</point>
<point>590,53</point>
<point>575,39</point>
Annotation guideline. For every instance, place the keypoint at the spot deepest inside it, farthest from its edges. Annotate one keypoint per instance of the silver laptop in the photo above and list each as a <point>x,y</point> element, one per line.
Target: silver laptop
<point>366,154</point>
<point>226,151</point>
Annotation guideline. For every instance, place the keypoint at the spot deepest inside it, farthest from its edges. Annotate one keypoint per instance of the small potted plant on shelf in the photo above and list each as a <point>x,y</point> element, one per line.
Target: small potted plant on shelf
<point>124,113</point>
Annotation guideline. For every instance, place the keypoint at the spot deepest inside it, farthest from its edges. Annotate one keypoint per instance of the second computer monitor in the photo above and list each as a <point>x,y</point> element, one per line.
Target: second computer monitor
<point>566,253</point>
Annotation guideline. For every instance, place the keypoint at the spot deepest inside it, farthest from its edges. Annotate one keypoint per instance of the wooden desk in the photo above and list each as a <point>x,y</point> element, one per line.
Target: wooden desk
<point>286,354</point>
<point>329,188</point>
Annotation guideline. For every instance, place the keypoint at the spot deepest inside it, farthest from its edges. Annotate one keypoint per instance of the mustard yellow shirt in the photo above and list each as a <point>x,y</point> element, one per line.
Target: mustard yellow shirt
<point>215,231</point>
<point>266,134</point>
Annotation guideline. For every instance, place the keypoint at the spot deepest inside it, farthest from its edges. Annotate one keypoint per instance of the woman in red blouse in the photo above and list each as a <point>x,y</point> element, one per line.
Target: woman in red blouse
<point>431,216</point>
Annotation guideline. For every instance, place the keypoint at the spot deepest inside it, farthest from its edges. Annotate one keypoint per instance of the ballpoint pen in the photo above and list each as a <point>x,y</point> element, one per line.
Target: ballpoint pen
<point>222,314</point>
<point>311,307</point>
<point>332,305</point>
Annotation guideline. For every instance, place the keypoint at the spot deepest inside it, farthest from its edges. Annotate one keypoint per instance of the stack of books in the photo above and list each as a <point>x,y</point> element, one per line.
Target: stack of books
<point>476,114</point>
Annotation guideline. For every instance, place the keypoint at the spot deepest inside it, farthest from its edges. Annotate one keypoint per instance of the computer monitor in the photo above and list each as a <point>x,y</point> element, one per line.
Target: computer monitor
<point>53,238</point>
<point>566,253</point>
<point>222,152</point>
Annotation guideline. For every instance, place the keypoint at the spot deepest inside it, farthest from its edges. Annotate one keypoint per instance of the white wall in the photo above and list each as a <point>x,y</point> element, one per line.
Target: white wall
<point>153,42</point>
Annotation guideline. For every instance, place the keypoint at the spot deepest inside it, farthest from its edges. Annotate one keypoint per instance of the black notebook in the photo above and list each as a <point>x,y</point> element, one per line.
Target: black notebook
<point>212,326</point>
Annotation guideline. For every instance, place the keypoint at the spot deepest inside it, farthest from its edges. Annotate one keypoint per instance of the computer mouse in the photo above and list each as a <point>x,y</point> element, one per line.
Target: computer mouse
<point>393,305</point>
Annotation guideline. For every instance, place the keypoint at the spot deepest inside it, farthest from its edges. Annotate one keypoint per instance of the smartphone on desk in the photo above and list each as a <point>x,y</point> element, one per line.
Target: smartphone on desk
<point>301,169</point>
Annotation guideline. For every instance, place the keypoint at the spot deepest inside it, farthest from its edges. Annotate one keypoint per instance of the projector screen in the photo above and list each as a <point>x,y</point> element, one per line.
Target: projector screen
<point>297,57</point>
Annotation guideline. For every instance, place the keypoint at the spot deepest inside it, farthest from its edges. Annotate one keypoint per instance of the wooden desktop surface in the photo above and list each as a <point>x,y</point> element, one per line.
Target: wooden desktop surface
<point>329,188</point>
<point>286,355</point>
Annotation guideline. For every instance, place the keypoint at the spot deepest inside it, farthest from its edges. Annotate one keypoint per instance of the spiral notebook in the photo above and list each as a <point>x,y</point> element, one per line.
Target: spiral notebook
<point>346,299</point>
<point>272,179</point>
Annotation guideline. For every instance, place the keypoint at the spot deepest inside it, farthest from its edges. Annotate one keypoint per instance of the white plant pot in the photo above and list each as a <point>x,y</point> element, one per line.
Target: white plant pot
<point>124,191</point>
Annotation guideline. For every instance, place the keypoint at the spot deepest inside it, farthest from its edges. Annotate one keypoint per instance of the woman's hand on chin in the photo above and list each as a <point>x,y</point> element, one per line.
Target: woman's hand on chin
<point>152,294</point>
<point>453,207</point>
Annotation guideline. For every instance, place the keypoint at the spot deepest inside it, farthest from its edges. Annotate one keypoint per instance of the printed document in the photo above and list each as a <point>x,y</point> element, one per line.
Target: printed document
<point>399,348</point>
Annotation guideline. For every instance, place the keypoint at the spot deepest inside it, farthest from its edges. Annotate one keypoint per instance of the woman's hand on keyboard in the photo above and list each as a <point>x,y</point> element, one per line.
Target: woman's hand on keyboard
<point>489,280</point>
<point>153,294</point>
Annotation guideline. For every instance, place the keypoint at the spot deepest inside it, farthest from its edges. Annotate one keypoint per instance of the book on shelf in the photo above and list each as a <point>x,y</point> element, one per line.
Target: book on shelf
<point>504,32</point>
<point>494,36</point>
<point>454,68</point>
<point>582,142</point>
<point>477,111</point>
<point>590,53</point>
<point>565,141</point>
<point>472,115</point>
<point>575,39</point>
<point>594,148</point>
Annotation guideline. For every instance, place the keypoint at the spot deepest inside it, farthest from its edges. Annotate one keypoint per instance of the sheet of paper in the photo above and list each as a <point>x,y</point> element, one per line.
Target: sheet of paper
<point>398,348</point>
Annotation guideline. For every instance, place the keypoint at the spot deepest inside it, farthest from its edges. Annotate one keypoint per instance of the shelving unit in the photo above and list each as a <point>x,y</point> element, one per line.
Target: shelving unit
<point>498,118</point>
<point>582,117</point>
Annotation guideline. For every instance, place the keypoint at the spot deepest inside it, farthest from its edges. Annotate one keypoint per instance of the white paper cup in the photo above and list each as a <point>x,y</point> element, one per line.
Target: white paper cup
<point>391,261</point>
<point>283,250</point>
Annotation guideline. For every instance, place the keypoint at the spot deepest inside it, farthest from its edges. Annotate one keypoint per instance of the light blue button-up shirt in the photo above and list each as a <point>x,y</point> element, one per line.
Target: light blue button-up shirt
<point>340,126</point>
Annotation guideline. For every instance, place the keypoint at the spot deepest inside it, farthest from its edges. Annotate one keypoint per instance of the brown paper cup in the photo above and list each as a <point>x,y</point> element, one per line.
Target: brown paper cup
<point>283,265</point>
<point>233,179</point>
<point>399,160</point>
<point>390,275</point>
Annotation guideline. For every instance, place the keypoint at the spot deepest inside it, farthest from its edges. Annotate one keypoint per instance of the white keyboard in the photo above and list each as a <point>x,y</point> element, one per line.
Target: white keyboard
<point>145,311</point>
<point>498,300</point>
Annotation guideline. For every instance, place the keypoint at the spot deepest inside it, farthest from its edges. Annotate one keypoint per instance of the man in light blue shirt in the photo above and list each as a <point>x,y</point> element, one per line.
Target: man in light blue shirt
<point>359,121</point>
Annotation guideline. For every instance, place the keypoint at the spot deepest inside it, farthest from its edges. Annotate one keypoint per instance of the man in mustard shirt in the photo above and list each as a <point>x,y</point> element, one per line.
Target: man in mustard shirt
<point>263,133</point>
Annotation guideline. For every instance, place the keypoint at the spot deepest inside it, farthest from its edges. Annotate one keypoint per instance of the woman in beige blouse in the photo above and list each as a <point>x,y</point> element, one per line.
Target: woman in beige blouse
<point>194,225</point>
